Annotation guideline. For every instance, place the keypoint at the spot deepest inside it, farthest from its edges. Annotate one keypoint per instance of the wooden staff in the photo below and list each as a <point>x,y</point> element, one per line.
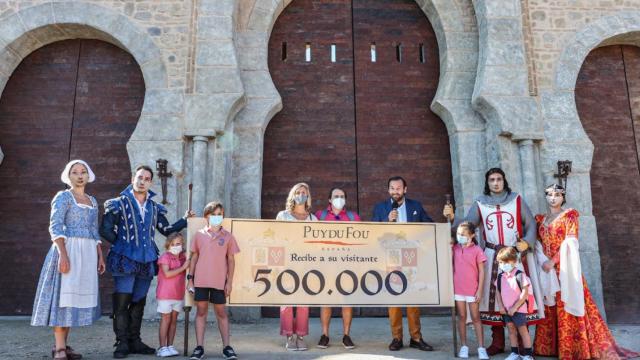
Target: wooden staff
<point>187,297</point>
<point>453,309</point>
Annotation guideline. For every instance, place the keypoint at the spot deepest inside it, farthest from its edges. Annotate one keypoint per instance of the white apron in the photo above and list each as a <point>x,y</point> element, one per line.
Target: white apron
<point>79,287</point>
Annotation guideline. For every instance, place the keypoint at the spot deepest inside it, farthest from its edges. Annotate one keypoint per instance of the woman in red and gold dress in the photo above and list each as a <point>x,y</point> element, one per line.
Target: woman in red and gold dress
<point>573,327</point>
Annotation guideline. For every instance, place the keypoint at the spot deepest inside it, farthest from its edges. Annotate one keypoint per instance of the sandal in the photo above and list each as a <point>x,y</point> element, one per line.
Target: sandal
<point>60,354</point>
<point>72,354</point>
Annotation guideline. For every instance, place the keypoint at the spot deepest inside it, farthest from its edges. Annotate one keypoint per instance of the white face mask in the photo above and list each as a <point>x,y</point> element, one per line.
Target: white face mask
<point>506,267</point>
<point>338,203</point>
<point>215,220</point>
<point>462,240</point>
<point>175,250</point>
<point>300,199</point>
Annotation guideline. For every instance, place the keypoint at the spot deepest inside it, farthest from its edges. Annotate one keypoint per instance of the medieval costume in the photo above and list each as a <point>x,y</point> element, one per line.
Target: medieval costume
<point>505,218</point>
<point>130,228</point>
<point>70,299</point>
<point>573,327</point>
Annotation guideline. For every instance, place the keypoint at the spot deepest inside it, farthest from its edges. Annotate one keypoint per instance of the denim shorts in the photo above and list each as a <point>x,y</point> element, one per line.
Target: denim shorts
<point>518,319</point>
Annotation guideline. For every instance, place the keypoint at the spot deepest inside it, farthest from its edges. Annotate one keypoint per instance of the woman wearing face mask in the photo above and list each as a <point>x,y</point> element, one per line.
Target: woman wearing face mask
<point>298,208</point>
<point>336,211</point>
<point>573,327</point>
<point>67,293</point>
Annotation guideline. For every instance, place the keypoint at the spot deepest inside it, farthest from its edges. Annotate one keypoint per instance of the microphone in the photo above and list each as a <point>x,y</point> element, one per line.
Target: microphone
<point>395,206</point>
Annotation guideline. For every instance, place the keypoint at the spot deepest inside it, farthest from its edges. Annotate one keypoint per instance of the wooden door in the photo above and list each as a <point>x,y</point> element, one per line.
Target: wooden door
<point>356,78</point>
<point>67,100</point>
<point>608,102</point>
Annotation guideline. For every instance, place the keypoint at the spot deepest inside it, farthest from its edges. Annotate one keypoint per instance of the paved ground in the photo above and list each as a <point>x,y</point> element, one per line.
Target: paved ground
<point>18,340</point>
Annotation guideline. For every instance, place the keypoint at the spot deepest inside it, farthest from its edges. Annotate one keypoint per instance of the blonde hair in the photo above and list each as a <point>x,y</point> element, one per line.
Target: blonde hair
<point>292,193</point>
<point>211,207</point>
<point>507,254</point>
<point>171,237</point>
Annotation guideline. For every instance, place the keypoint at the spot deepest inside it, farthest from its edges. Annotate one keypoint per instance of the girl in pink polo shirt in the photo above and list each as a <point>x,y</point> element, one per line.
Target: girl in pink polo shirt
<point>170,291</point>
<point>468,276</point>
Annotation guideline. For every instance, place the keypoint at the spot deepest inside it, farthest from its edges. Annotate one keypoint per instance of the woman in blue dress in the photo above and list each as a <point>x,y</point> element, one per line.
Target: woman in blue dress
<point>67,294</point>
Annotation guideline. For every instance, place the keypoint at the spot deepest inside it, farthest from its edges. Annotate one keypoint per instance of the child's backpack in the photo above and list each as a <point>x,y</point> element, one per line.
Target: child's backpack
<point>325,212</point>
<point>530,299</point>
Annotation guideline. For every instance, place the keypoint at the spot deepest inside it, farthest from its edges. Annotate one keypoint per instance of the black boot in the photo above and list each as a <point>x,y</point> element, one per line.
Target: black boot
<point>136,346</point>
<point>121,304</point>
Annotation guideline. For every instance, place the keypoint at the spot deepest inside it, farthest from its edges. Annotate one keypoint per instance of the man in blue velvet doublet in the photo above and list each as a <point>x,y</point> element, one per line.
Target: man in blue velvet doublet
<point>129,224</point>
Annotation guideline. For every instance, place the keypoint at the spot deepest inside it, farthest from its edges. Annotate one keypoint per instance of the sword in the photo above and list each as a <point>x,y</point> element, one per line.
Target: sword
<point>453,309</point>
<point>187,305</point>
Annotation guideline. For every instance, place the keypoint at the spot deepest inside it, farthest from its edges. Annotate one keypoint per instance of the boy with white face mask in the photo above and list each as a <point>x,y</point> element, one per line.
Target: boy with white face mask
<point>336,211</point>
<point>212,266</point>
<point>515,299</point>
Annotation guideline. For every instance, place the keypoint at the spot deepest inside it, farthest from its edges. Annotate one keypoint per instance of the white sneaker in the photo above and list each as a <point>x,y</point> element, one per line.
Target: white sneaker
<point>513,356</point>
<point>173,351</point>
<point>290,344</point>
<point>300,344</point>
<point>482,354</point>
<point>163,352</point>
<point>464,352</point>
<point>159,351</point>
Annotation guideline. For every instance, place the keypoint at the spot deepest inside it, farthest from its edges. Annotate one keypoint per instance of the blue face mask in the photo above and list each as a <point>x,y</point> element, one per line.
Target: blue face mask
<point>215,220</point>
<point>506,267</point>
<point>462,240</point>
<point>300,199</point>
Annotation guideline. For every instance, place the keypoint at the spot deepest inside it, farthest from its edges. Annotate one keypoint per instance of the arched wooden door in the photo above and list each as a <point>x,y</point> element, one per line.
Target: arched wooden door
<point>67,100</point>
<point>356,79</point>
<point>608,102</point>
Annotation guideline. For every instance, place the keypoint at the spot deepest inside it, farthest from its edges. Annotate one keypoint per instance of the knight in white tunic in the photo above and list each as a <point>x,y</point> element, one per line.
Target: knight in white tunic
<point>504,219</point>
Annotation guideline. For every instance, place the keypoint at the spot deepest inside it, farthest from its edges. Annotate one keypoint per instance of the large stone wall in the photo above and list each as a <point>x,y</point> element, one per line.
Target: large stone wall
<point>168,23</point>
<point>508,69</point>
<point>561,35</point>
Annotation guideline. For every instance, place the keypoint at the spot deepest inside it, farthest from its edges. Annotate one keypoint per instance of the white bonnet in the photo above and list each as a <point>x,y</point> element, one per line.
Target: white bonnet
<point>65,173</point>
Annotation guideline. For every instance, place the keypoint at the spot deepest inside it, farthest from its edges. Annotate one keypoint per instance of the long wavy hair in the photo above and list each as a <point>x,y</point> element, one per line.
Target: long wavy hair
<point>292,193</point>
<point>492,171</point>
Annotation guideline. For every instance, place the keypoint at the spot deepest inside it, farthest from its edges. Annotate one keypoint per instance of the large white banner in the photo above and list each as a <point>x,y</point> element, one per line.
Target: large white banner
<point>339,263</point>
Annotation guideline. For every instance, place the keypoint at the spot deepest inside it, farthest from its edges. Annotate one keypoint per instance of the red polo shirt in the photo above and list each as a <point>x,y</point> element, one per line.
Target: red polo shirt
<point>342,216</point>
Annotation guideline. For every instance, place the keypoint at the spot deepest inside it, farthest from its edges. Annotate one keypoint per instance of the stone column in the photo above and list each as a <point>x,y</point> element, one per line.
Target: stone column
<point>529,174</point>
<point>199,172</point>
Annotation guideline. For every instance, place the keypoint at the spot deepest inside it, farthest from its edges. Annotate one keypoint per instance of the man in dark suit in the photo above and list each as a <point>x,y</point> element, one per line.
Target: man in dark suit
<point>400,209</point>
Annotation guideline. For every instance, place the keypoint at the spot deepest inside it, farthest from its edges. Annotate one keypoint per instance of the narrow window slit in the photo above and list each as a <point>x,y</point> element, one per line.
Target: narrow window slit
<point>399,53</point>
<point>284,50</point>
<point>307,52</point>
<point>422,57</point>
<point>373,52</point>
<point>333,52</point>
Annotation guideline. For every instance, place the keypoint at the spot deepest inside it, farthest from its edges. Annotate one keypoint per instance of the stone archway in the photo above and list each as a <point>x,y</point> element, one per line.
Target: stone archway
<point>559,111</point>
<point>607,102</point>
<point>30,28</point>
<point>457,42</point>
<point>70,99</point>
